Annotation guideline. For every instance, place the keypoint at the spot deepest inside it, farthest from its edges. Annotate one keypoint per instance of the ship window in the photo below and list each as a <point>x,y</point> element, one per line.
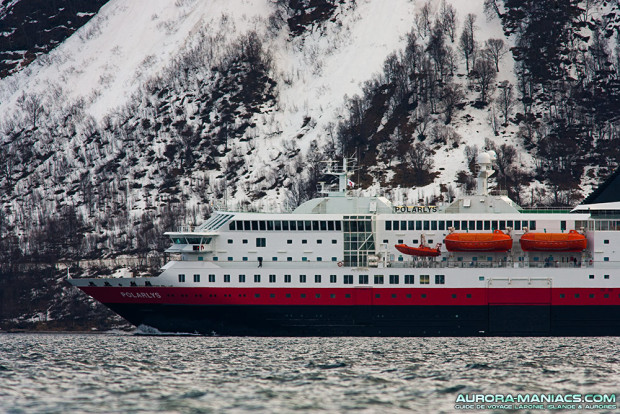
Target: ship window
<point>394,280</point>
<point>226,278</point>
<point>256,278</point>
<point>319,241</point>
<point>494,225</point>
<point>440,279</point>
<point>509,224</point>
<point>591,276</point>
<point>517,225</point>
<point>330,225</point>
<point>487,225</point>
<point>478,225</point>
<point>245,259</point>
<point>396,225</point>
<point>433,225</point>
<point>272,278</point>
<point>323,225</point>
<point>457,225</point>
<point>606,277</point>
<point>332,295</point>
<point>448,224</point>
<point>288,295</point>
<point>230,259</point>
<point>400,241</point>
<point>246,225</point>
<point>334,241</point>
<point>502,225</point>
<point>300,225</point>
<point>442,225</point>
<point>563,225</point>
<point>606,295</point>
<point>241,278</point>
<point>378,279</point>
<point>591,295</point>
<point>319,259</point>
<point>303,295</point>
<point>211,278</point>
<point>481,278</point>
<point>292,225</point>
<point>576,295</point>
<point>277,225</point>
<point>348,279</point>
<point>427,225</point>
<point>196,278</point>
<point>181,278</point>
<point>424,279</point>
<point>289,259</point>
<point>408,295</point>
<point>400,258</point>
<point>363,279</point>
<point>230,241</point>
<point>418,225</point>
<point>333,278</point>
<point>318,295</point>
<point>347,295</point>
<point>334,259</point>
<point>261,242</point>
<point>231,225</point>
<point>562,295</point>
<point>307,225</point>
<point>454,296</point>
<point>464,225</point>
<point>272,295</point>
<point>254,225</point>
<point>289,241</point>
<point>285,225</point>
<point>245,241</point>
<point>532,225</point>
<point>606,241</point>
<point>423,295</point>
<point>408,279</point>
<point>270,225</point>
<point>257,295</point>
<point>304,259</point>
<point>287,278</point>
<point>338,226</point>
<point>302,278</point>
<point>262,225</point>
<point>274,259</point>
<point>315,225</point>
<point>317,278</point>
<point>468,296</point>
<point>605,259</point>
<point>304,242</point>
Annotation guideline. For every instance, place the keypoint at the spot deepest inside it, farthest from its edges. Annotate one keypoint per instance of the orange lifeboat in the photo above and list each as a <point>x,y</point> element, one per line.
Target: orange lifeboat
<point>497,241</point>
<point>422,251</point>
<point>554,242</point>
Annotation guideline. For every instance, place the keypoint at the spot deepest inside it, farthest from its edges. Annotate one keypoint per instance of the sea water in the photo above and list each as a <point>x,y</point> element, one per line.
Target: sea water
<point>119,372</point>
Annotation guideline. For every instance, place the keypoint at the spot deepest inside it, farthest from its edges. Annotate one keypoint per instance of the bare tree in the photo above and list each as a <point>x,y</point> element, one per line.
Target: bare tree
<point>448,18</point>
<point>491,8</point>
<point>495,50</point>
<point>423,20</point>
<point>505,100</point>
<point>32,105</point>
<point>485,75</point>
<point>452,96</point>
<point>467,43</point>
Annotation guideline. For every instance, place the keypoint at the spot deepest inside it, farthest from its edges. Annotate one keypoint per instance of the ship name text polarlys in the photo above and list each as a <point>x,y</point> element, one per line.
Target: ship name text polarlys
<point>416,209</point>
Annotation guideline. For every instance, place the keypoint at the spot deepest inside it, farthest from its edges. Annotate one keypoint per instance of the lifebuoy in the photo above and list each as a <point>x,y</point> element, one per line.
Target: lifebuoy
<point>340,264</point>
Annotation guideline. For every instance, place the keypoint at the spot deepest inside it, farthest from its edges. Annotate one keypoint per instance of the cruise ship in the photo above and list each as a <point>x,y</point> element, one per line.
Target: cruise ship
<point>350,265</point>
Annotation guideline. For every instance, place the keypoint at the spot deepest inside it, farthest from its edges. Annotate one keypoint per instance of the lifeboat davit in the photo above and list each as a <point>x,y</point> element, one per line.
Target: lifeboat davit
<point>497,241</point>
<point>554,242</point>
<point>422,251</point>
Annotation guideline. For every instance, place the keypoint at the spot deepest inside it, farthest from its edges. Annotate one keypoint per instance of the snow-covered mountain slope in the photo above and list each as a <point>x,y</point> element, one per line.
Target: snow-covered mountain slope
<point>154,112</point>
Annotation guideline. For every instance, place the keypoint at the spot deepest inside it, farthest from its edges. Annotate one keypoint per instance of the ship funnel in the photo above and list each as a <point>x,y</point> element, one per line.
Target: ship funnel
<point>485,170</point>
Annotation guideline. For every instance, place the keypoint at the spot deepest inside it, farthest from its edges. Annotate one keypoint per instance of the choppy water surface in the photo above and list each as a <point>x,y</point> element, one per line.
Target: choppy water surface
<point>127,373</point>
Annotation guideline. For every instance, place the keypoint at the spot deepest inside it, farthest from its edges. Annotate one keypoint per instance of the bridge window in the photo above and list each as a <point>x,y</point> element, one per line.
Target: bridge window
<point>517,225</point>
<point>442,225</point>
<point>418,225</point>
<point>285,225</point>
<point>457,225</point>
<point>433,225</point>
<point>262,225</point>
<point>395,225</point>
<point>487,225</point>
<point>532,225</point>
